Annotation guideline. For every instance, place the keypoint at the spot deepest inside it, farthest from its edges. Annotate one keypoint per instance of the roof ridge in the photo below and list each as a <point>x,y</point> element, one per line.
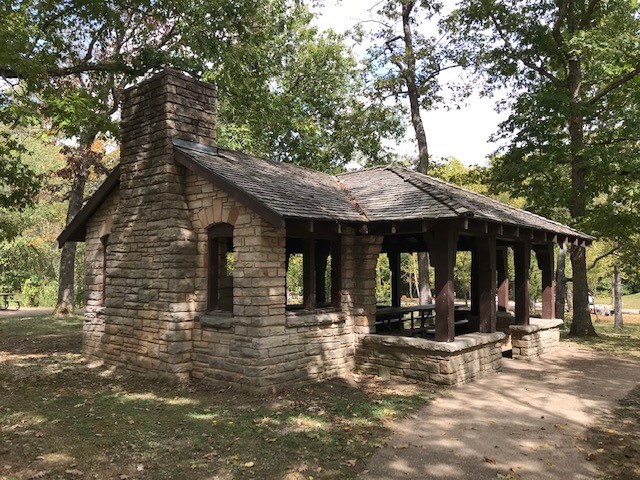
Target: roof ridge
<point>450,203</point>
<point>352,197</point>
<point>368,169</point>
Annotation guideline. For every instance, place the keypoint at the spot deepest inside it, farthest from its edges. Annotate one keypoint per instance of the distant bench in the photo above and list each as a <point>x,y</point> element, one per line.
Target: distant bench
<point>6,299</point>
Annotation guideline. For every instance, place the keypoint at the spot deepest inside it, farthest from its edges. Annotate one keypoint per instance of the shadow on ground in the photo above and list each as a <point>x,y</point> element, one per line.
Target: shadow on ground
<point>530,421</point>
<point>64,417</point>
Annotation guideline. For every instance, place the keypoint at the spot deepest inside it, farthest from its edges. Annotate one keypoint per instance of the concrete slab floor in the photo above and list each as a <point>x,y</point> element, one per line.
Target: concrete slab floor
<point>527,422</point>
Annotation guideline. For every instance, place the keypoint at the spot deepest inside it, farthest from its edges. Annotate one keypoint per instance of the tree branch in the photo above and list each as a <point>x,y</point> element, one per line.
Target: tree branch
<point>613,85</point>
<point>603,256</point>
<point>556,32</point>
<point>537,68</point>
<point>588,14</point>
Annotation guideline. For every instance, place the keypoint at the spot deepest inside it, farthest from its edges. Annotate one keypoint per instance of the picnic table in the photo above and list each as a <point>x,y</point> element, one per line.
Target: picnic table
<point>6,299</point>
<point>410,320</point>
<point>393,318</point>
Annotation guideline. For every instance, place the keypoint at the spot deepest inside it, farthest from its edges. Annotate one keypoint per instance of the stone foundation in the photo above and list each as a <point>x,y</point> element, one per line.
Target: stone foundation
<point>445,363</point>
<point>533,340</point>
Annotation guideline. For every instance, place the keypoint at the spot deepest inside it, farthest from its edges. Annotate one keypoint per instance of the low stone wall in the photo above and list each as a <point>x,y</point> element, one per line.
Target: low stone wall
<point>444,363</point>
<point>536,339</point>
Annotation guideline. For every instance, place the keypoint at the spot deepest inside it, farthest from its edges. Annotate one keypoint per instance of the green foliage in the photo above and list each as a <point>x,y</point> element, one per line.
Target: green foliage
<point>389,58</point>
<point>462,275</point>
<point>298,96</point>
<point>294,280</point>
<point>534,49</point>
<point>383,280</point>
<point>18,183</point>
<point>29,256</point>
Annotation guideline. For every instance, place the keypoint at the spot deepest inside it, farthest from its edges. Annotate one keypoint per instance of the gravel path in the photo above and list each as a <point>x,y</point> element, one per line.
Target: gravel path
<point>527,422</point>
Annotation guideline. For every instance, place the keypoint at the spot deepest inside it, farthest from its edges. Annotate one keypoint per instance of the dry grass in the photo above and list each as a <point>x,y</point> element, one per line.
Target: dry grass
<point>63,418</point>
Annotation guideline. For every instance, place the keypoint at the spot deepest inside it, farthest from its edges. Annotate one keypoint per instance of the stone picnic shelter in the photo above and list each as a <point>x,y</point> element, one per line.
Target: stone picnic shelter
<point>188,246</point>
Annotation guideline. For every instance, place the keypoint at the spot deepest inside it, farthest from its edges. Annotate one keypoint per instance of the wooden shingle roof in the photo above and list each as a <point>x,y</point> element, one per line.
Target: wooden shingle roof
<point>287,190</point>
<point>396,193</point>
<point>280,191</point>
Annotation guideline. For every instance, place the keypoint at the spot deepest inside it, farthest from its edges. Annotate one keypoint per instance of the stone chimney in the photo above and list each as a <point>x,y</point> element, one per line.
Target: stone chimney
<point>152,251</point>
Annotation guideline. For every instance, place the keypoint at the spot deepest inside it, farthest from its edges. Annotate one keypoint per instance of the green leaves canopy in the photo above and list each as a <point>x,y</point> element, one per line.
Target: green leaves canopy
<point>536,50</point>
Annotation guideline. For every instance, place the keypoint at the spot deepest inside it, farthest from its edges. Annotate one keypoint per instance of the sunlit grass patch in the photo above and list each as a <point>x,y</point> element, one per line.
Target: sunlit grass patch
<point>617,341</point>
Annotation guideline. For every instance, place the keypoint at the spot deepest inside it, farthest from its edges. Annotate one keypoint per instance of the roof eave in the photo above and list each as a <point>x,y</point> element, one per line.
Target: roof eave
<point>76,231</point>
<point>244,197</point>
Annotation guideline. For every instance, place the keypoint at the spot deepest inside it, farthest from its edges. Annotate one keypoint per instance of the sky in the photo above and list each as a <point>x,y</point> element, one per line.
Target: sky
<point>462,133</point>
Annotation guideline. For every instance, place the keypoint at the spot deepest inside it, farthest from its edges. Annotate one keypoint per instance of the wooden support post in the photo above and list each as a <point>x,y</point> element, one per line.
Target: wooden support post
<point>545,259</point>
<point>442,242</point>
<point>474,286</point>
<point>522,262</point>
<point>308,275</point>
<point>336,274</point>
<point>502,267</point>
<point>321,258</point>
<point>486,253</point>
<point>394,268</point>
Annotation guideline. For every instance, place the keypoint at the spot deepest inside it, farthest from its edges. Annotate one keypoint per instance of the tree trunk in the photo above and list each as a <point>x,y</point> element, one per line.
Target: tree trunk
<point>581,324</point>
<point>409,74</point>
<point>65,305</point>
<point>617,297</point>
<point>561,282</point>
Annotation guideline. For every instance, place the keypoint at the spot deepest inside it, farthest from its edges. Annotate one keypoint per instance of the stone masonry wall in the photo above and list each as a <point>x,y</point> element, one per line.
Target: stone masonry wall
<point>155,317</point>
<point>359,261</point>
<point>444,363</point>
<point>536,339</point>
<point>260,346</point>
<point>152,252</point>
<point>98,226</point>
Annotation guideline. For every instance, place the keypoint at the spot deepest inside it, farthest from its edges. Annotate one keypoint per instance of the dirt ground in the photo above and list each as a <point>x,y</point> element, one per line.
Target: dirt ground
<point>535,420</point>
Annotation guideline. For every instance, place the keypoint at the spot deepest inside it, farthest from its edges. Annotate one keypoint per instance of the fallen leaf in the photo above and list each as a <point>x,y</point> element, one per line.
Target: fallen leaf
<point>40,474</point>
<point>248,464</point>
<point>75,472</point>
<point>489,460</point>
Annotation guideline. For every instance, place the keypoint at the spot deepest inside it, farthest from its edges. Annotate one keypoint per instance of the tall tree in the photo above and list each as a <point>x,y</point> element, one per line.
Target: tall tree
<point>73,58</point>
<point>572,67</point>
<point>298,95</point>
<point>405,65</point>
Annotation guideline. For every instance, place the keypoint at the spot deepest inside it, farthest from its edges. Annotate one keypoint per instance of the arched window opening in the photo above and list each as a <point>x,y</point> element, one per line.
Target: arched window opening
<point>220,268</point>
